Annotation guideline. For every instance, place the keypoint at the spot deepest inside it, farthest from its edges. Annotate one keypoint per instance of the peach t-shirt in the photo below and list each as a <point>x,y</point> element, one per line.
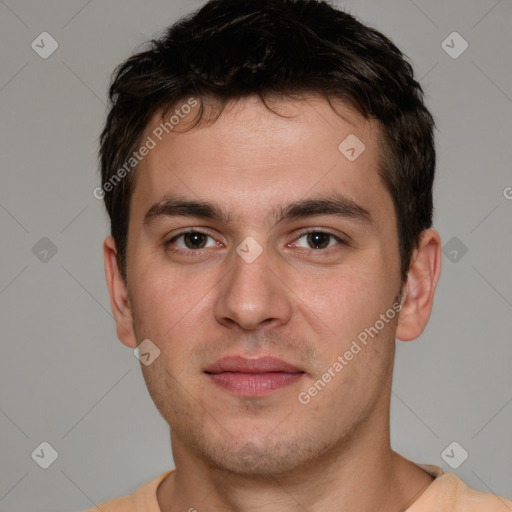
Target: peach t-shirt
<point>447,493</point>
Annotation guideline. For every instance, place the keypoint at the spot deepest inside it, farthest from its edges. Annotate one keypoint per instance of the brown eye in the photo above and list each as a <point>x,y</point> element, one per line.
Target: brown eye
<point>195,240</point>
<point>316,240</point>
<point>191,240</point>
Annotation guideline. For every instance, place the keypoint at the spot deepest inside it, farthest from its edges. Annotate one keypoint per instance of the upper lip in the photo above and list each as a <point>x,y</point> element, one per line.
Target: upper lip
<point>241,364</point>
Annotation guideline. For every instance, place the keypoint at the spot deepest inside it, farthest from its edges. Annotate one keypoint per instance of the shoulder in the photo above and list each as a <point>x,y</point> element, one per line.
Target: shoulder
<point>448,493</point>
<point>475,501</point>
<point>143,499</point>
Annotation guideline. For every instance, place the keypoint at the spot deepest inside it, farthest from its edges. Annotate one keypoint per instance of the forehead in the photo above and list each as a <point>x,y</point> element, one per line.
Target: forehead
<point>256,158</point>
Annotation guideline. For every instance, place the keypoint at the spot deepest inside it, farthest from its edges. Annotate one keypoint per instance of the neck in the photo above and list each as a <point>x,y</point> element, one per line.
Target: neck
<point>360,473</point>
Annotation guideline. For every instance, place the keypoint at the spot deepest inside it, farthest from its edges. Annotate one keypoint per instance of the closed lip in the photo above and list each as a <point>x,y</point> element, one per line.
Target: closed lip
<point>241,364</point>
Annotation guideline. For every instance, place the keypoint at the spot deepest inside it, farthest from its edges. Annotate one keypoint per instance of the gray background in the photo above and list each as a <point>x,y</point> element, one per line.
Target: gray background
<point>67,380</point>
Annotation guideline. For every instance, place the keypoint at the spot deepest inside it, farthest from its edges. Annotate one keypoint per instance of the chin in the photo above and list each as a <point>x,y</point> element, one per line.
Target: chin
<point>260,459</point>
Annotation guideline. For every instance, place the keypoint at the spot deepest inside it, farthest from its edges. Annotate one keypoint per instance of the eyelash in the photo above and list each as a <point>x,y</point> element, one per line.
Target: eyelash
<point>305,233</point>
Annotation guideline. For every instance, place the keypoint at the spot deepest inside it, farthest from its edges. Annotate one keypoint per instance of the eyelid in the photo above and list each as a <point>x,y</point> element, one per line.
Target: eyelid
<point>340,239</point>
<point>201,231</point>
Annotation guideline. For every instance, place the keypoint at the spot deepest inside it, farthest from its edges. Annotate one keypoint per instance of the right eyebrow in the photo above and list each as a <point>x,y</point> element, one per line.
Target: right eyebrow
<point>176,207</point>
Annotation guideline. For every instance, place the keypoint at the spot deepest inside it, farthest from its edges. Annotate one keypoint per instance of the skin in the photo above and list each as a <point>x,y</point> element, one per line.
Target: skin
<point>299,303</point>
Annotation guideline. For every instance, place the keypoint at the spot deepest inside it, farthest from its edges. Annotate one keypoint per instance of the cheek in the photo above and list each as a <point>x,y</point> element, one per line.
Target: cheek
<point>358,354</point>
<point>172,307</point>
<point>346,300</point>
<point>158,303</point>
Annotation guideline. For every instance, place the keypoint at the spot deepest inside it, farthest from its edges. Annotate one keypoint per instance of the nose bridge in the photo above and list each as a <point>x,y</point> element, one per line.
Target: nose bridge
<point>250,294</point>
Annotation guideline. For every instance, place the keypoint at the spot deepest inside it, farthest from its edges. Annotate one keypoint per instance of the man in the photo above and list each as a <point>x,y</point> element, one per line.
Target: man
<point>267,168</point>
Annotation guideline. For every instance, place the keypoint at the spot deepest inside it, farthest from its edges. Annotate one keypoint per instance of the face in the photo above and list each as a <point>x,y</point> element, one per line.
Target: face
<point>272,269</point>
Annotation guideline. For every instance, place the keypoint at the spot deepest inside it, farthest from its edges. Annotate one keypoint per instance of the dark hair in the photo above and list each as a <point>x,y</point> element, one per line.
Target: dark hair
<point>230,49</point>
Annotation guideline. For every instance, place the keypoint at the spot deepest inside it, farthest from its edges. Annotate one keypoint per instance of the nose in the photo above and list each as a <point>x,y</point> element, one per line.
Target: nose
<point>252,296</point>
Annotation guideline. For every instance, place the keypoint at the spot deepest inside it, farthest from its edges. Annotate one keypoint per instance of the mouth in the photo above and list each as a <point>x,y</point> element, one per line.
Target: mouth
<point>253,376</point>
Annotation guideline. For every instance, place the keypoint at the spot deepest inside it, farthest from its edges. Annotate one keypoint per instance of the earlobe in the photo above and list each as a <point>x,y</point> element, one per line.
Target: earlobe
<point>118,292</point>
<point>422,278</point>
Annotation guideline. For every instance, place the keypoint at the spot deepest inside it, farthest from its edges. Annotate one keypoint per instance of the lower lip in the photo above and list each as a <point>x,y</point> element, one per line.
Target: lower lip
<point>254,384</point>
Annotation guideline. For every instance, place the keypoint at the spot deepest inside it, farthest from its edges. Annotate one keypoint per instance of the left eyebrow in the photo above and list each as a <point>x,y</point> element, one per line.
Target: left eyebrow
<point>334,205</point>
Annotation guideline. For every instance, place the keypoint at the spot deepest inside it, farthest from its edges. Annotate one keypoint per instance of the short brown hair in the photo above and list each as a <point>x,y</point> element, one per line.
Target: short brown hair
<point>230,49</point>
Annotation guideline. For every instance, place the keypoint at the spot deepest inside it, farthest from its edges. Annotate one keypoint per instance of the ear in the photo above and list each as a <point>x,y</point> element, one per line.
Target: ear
<point>420,287</point>
<point>118,291</point>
